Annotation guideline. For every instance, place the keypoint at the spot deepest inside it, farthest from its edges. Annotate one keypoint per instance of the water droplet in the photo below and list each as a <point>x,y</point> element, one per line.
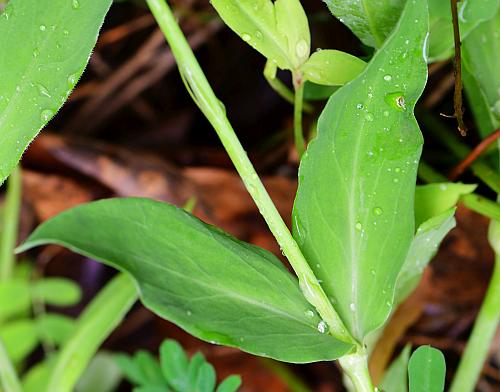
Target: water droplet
<point>258,34</point>
<point>18,88</point>
<point>352,306</point>
<point>397,170</point>
<point>36,52</point>
<point>387,78</point>
<point>358,226</point>
<point>302,48</point>
<point>189,313</point>
<point>388,303</point>
<point>322,327</point>
<point>46,115</point>
<point>246,37</point>
<point>71,80</point>
<point>396,180</point>
<point>43,27</point>
<point>66,32</point>
<point>372,272</point>
<point>43,91</point>
<point>309,313</point>
<point>396,100</point>
<point>359,106</point>
<point>369,117</point>
<point>378,211</point>
<point>75,4</point>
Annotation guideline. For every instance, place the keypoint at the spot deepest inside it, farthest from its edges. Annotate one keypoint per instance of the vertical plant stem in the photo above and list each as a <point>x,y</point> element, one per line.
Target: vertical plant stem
<point>8,376</point>
<point>298,84</point>
<point>10,225</point>
<point>95,324</point>
<point>356,367</point>
<point>485,326</point>
<point>204,97</point>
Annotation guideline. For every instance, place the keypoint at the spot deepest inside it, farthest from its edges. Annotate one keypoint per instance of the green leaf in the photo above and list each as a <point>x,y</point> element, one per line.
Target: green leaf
<point>55,328</point>
<point>371,20</point>
<point>20,338</point>
<point>423,248</point>
<point>278,30</point>
<point>481,54</point>
<point>37,378</point>
<point>317,92</point>
<point>149,369</point>
<point>426,370</point>
<point>332,67</point>
<point>206,378</point>
<point>102,374</point>
<point>230,384</point>
<point>396,377</point>
<point>57,37</point>
<point>433,199</point>
<point>291,22</point>
<point>194,367</point>
<point>56,291</point>
<point>174,364</point>
<point>470,14</point>
<point>215,287</point>
<point>15,299</point>
<point>353,215</point>
<point>96,322</point>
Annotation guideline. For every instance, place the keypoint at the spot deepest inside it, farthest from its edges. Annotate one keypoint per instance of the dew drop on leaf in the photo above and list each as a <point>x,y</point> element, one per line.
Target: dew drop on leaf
<point>43,91</point>
<point>46,115</point>
<point>246,37</point>
<point>388,78</point>
<point>43,27</point>
<point>378,211</point>
<point>358,226</point>
<point>322,327</point>
<point>301,48</point>
<point>75,4</point>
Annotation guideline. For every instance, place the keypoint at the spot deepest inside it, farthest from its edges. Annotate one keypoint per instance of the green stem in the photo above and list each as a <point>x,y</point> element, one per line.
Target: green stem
<point>277,85</point>
<point>356,367</point>
<point>297,114</point>
<point>212,108</point>
<point>8,376</point>
<point>95,324</point>
<point>482,335</point>
<point>10,225</point>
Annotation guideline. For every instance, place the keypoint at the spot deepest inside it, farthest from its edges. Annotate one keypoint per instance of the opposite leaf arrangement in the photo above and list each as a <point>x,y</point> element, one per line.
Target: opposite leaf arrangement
<point>362,230</point>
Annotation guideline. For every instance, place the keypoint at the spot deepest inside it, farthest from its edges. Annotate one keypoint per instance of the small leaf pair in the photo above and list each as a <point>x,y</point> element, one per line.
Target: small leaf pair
<point>175,372</point>
<point>280,32</point>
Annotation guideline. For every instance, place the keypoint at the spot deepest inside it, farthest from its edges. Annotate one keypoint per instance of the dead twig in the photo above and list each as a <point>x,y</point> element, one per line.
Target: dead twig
<point>473,155</point>
<point>457,96</point>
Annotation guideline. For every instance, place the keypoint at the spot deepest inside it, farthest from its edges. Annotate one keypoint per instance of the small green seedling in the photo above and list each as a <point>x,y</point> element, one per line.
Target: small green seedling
<point>174,373</point>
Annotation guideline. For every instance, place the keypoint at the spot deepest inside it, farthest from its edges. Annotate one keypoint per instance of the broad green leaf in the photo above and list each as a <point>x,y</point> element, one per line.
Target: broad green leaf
<point>481,53</point>
<point>45,46</point>
<point>396,377</point>
<point>433,199</point>
<point>55,329</point>
<point>426,370</point>
<point>230,384</point>
<point>102,374</point>
<point>470,14</point>
<point>15,298</point>
<point>371,20</point>
<point>56,291</point>
<point>278,30</point>
<point>423,247</point>
<point>174,364</point>
<point>215,287</point>
<point>20,338</point>
<point>332,67</point>
<point>353,215</point>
